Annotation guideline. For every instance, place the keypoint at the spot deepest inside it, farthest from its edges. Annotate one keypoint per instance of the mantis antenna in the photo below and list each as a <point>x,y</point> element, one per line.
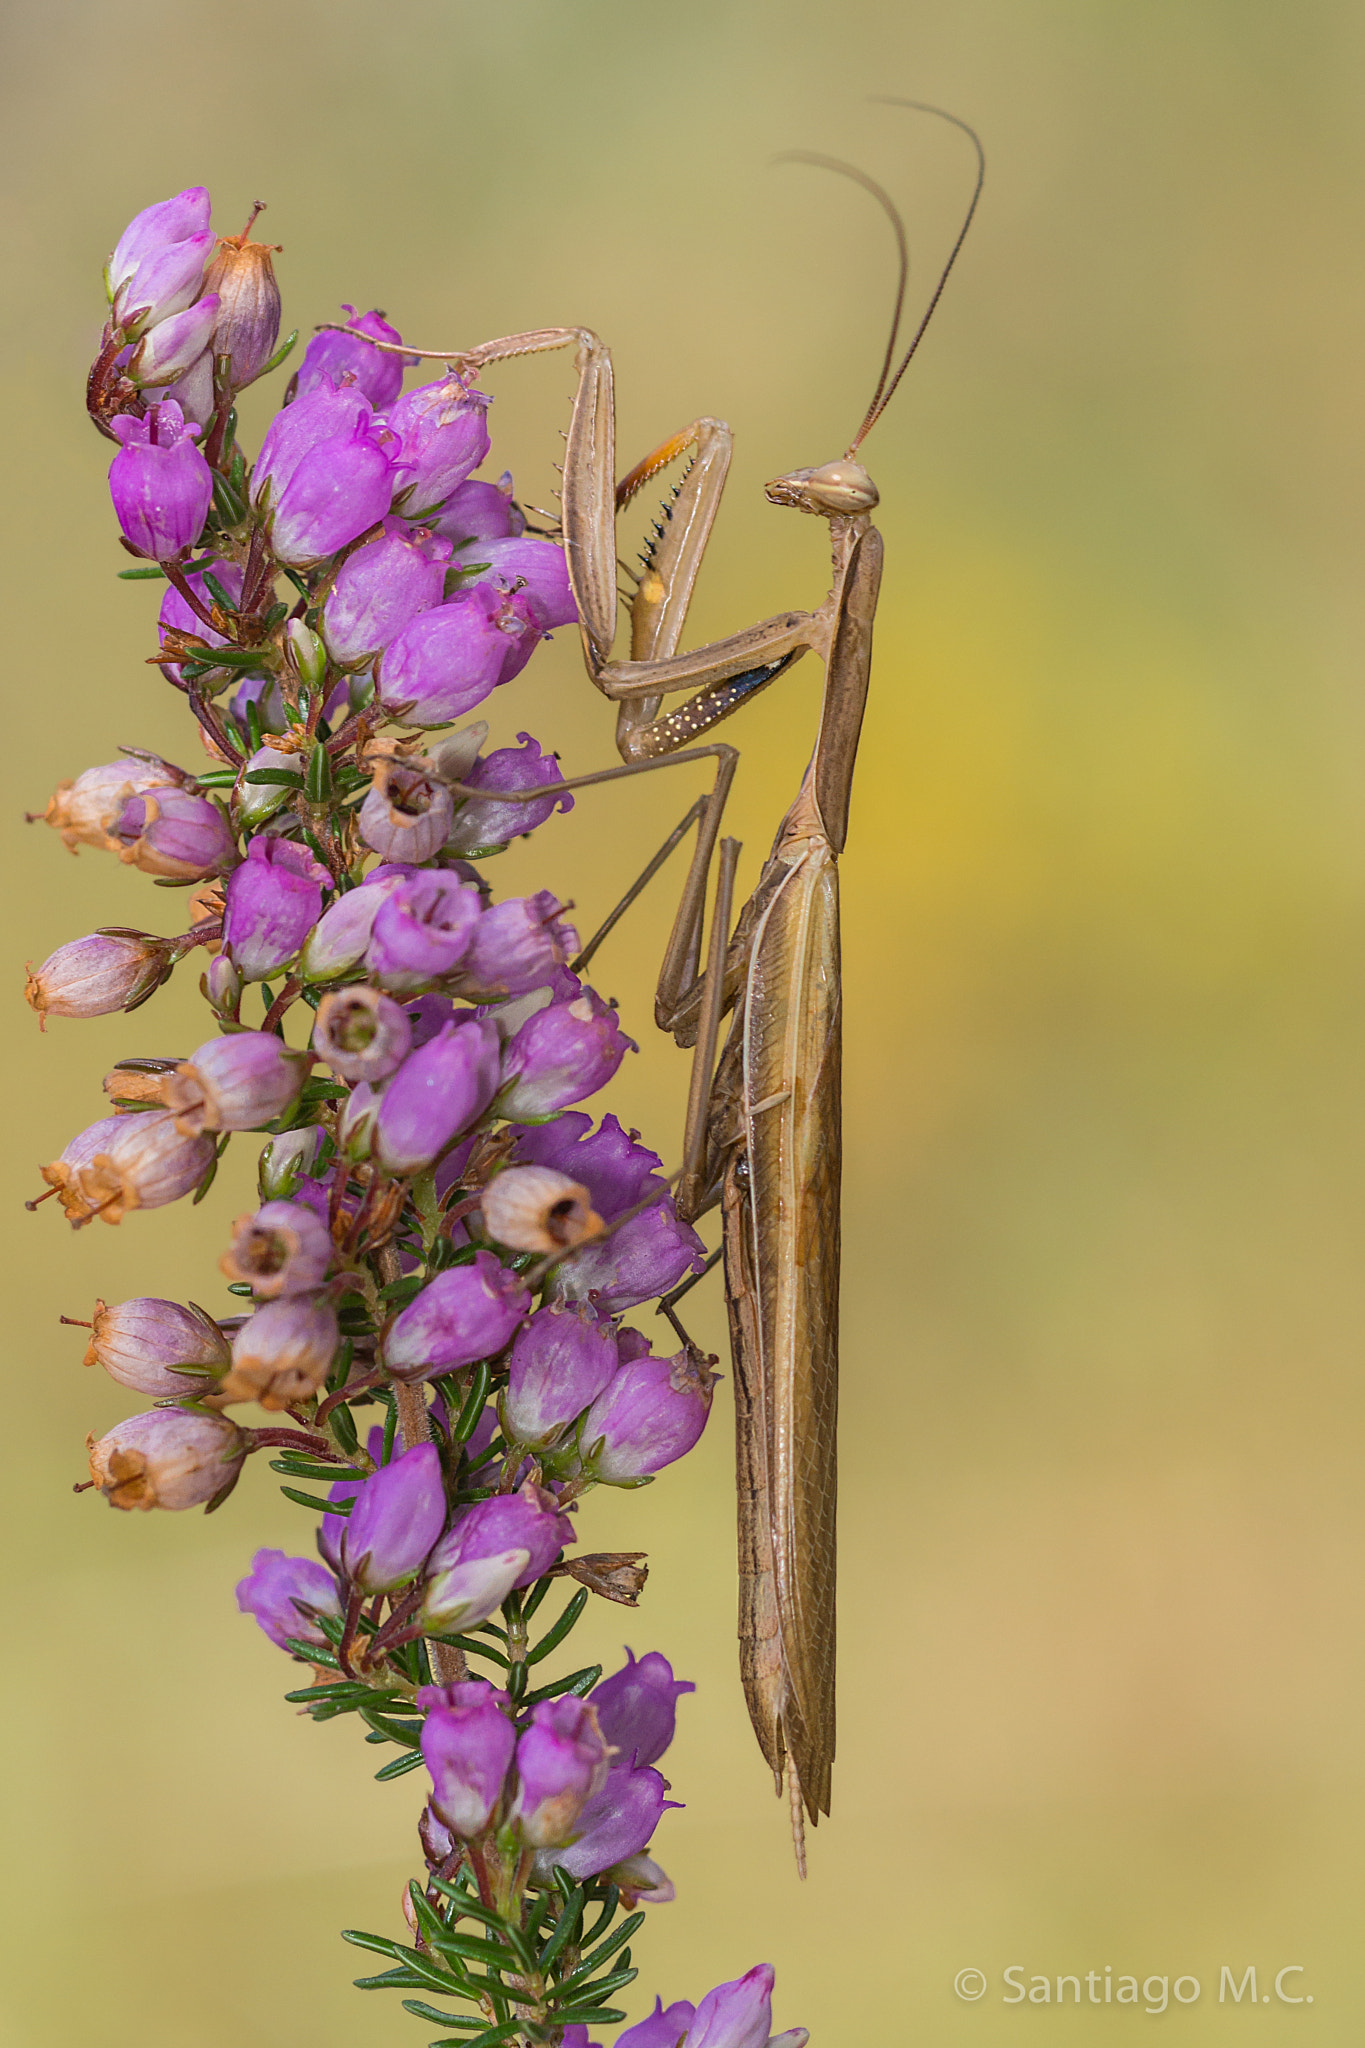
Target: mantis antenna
<point>887,381</point>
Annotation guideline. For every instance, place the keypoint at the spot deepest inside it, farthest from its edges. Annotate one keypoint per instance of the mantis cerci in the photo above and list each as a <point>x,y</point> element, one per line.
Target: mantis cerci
<point>763,1123</point>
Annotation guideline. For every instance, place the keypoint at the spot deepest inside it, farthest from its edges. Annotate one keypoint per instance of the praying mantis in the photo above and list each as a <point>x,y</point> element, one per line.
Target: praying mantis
<point>762,1137</point>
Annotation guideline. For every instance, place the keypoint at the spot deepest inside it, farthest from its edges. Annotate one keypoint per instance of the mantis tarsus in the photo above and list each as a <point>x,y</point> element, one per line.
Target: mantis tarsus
<point>763,1123</point>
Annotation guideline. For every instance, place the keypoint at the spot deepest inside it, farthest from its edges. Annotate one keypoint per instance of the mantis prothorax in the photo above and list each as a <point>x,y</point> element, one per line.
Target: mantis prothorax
<point>763,1123</point>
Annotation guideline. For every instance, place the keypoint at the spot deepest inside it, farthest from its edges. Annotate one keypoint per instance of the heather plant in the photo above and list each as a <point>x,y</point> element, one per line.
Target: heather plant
<point>429,1300</point>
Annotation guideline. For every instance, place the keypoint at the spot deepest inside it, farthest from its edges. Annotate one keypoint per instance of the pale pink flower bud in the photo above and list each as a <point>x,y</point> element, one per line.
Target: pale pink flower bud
<point>362,1034</point>
<point>110,970</point>
<point>123,1163</point>
<point>235,1083</point>
<point>85,809</point>
<point>406,815</point>
<point>157,1347</point>
<point>284,1248</point>
<point>535,1209</point>
<point>248,324</point>
<point>282,1354</point>
<point>169,1458</point>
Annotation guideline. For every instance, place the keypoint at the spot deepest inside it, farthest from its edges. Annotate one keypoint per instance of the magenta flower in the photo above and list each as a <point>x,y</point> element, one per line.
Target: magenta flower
<point>166,225</point>
<point>561,1360</point>
<point>519,623</point>
<point>736,2015</point>
<point>166,831</point>
<point>467,1745</point>
<point>616,1821</point>
<point>161,485</point>
<point>464,1314</point>
<point>444,433</point>
<point>561,1054</point>
<point>437,1093</point>
<point>538,569</point>
<point>482,824</point>
<point>739,2014</point>
<point>157,1347</point>
<point>462,1595</point>
<point>169,350</point>
<point>273,901</point>
<point>284,1594</point>
<point>323,475</point>
<point>379,589</point>
<point>517,946</point>
<point>446,661</point>
<point>561,1762</point>
<point>333,1526</point>
<point>637,1706</point>
<point>427,1015</point>
<point>323,413</point>
<point>479,511</point>
<point>650,1414</point>
<point>395,1518</point>
<point>338,489</point>
<point>169,1458</point>
<point>664,2028</point>
<point>340,359</point>
<point>164,282</point>
<point>422,930</point>
<point>528,1521</point>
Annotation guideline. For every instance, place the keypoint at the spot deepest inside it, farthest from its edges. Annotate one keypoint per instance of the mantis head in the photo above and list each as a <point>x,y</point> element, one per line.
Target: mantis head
<point>837,490</point>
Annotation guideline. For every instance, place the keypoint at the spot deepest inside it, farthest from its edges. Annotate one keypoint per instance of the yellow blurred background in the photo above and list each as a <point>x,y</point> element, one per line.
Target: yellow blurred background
<point>1105,1185</point>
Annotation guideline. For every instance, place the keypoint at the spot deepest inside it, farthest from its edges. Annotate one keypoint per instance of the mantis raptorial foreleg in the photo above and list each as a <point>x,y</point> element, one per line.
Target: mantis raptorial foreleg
<point>723,674</point>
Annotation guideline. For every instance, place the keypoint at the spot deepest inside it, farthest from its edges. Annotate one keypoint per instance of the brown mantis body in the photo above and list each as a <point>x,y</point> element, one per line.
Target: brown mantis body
<point>763,1123</point>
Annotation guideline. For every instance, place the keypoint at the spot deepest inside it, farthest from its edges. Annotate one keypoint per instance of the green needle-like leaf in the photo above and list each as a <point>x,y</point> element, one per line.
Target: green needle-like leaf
<point>310,1500</point>
<point>580,1682</point>
<point>399,1767</point>
<point>597,1957</point>
<point>502,2033</point>
<point>442,2019</point>
<point>554,1636</point>
<point>611,1898</point>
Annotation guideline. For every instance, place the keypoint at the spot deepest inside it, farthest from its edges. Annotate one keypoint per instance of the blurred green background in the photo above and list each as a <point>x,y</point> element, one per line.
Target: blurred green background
<point>1102,1423</point>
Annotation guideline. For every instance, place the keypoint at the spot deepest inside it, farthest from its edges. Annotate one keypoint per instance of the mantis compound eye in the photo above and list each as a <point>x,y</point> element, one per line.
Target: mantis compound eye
<point>836,490</point>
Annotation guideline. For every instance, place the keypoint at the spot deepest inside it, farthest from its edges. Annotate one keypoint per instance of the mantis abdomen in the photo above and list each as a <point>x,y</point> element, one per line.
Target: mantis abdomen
<point>782,1244</point>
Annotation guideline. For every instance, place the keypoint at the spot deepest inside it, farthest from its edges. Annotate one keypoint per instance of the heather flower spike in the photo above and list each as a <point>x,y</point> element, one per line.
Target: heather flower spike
<point>418,1316</point>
